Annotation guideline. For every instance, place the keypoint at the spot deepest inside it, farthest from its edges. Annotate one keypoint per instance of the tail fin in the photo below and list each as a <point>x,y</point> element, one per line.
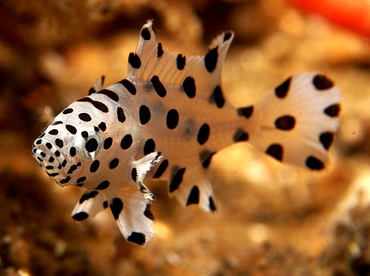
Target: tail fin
<point>296,121</point>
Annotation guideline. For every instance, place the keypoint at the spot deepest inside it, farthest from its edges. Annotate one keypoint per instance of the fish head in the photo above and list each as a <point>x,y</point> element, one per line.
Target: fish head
<point>68,147</point>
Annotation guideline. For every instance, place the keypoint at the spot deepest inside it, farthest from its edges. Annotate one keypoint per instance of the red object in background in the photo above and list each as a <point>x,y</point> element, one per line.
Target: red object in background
<point>350,14</point>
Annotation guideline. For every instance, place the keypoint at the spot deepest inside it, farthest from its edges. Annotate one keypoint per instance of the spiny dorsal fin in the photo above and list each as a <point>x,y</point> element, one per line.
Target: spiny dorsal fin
<point>98,85</point>
<point>151,60</point>
<point>296,121</point>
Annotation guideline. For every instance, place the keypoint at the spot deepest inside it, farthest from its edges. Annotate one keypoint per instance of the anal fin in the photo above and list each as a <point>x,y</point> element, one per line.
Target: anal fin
<point>192,185</point>
<point>131,210</point>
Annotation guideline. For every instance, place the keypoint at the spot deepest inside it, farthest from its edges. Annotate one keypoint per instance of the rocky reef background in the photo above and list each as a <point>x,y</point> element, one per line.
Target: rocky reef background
<point>272,219</point>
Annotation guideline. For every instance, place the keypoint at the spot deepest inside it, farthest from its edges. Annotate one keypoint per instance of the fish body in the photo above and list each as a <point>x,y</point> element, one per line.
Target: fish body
<point>165,121</point>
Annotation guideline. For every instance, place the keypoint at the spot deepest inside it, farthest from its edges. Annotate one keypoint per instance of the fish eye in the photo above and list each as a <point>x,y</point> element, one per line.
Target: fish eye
<point>88,143</point>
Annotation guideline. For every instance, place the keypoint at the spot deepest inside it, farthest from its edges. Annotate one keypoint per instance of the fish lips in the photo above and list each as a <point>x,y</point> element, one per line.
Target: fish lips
<point>50,159</point>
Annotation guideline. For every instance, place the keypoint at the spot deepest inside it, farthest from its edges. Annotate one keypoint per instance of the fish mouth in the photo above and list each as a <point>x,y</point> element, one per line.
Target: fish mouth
<point>49,158</point>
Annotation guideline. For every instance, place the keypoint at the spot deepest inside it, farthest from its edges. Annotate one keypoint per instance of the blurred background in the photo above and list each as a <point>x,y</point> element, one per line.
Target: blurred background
<point>272,219</point>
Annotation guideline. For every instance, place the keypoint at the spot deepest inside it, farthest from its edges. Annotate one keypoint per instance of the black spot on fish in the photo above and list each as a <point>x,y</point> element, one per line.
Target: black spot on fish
<point>103,185</point>
<point>161,169</point>
<point>144,114</point>
<point>120,115</point>
<point>276,151</point>
<point>67,111</point>
<point>84,117</point>
<point>102,126</point>
<point>137,237</point>
<point>332,110</point>
<point>326,139</point>
<point>94,166</point>
<point>66,180</point>
<point>321,82</point>
<point>98,105</point>
<point>205,157</point>
<point>126,141</point>
<point>245,111</point>
<point>193,197</point>
<point>145,33</point>
<point>134,174</point>
<point>240,135</point>
<point>189,87</point>
<point>149,146</point>
<point>211,204</point>
<point>129,86</point>
<point>227,36</point>
<point>177,179</point>
<point>210,59</point>
<point>114,163</point>
<point>286,122</point>
<point>217,97</point>
<point>72,151</point>
<point>172,119</point>
<point>314,164</point>
<point>88,195</point>
<point>180,61</point>
<point>203,134</point>
<point>108,143</point>
<point>58,142</point>
<point>116,207</point>
<point>282,90</point>
<point>52,132</point>
<point>158,86</point>
<point>148,212</point>
<point>159,50</point>
<point>110,94</point>
<point>134,60</point>
<point>81,179</point>
<point>80,216</point>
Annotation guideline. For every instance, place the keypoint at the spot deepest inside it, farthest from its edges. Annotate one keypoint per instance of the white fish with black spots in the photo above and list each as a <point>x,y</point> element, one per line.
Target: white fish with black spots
<point>166,121</point>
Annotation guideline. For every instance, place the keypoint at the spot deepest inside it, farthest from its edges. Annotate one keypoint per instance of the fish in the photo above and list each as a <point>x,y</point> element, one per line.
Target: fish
<point>166,121</point>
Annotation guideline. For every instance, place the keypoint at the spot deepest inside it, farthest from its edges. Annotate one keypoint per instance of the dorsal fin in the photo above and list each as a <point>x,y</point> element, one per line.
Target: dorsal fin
<point>151,60</point>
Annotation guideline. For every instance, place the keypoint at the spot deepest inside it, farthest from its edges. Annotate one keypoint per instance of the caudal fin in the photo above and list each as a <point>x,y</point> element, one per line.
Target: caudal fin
<point>295,123</point>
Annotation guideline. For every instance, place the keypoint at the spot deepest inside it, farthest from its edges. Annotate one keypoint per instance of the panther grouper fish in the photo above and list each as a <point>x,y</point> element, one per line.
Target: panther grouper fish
<point>166,121</point>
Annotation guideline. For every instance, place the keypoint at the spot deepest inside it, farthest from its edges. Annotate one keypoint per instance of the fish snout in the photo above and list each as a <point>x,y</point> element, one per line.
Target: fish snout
<point>49,158</point>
